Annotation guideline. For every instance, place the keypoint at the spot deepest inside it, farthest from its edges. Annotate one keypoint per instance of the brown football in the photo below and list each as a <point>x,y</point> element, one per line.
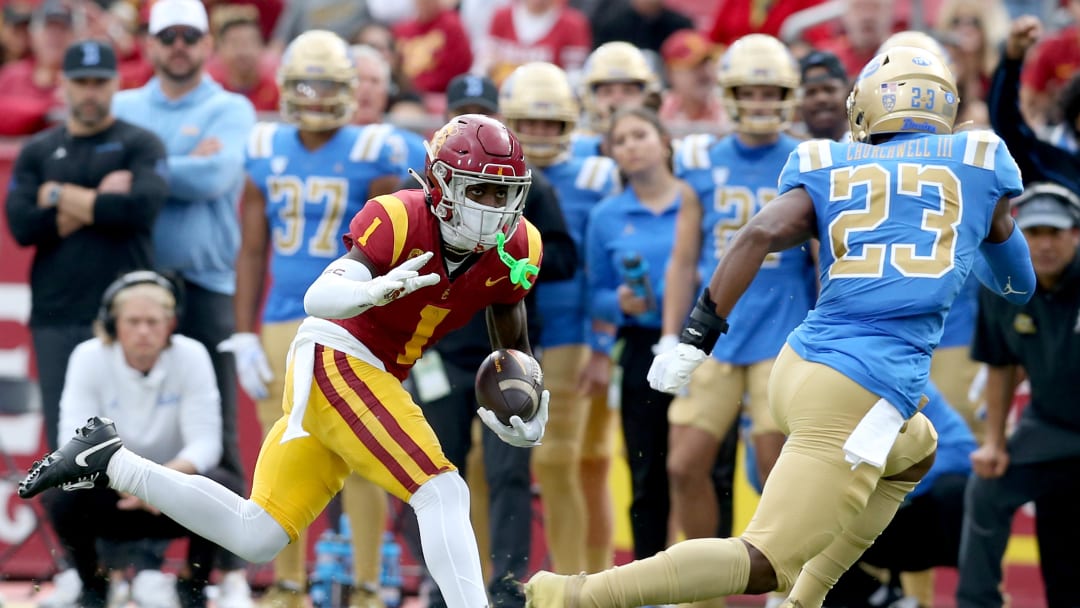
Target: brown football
<point>509,383</point>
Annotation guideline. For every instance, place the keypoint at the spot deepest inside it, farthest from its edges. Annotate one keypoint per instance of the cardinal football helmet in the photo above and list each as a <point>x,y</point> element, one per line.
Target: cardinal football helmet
<point>540,91</point>
<point>318,81</point>
<point>903,90</point>
<point>759,59</point>
<point>472,150</point>
<point>613,62</point>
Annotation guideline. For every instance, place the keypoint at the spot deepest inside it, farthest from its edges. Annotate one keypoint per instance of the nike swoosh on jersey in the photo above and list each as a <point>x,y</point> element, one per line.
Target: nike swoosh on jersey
<point>489,282</point>
<point>80,458</point>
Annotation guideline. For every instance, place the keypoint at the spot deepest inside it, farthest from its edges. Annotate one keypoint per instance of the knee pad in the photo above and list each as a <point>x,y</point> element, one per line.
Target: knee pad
<point>264,537</point>
<point>444,491</point>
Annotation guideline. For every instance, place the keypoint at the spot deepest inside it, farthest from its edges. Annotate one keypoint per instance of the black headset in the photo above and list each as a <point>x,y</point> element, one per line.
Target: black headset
<point>131,279</point>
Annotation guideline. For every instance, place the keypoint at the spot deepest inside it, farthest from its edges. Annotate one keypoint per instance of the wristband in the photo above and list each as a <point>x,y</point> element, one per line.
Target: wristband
<point>704,326</point>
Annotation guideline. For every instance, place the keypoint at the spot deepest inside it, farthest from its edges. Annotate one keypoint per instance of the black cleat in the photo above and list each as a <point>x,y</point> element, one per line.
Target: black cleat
<point>79,464</point>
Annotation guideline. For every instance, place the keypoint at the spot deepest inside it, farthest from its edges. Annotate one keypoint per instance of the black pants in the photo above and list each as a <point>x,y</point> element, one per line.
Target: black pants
<point>506,469</point>
<point>82,517</point>
<point>925,533</point>
<point>208,317</point>
<point>989,508</point>
<point>645,433</point>
<point>53,345</point>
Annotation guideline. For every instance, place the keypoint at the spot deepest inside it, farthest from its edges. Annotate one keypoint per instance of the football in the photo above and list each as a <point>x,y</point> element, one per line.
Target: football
<point>509,383</point>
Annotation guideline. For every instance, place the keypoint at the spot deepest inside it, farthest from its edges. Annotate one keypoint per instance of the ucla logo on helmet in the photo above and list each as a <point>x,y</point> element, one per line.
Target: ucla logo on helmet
<point>911,124</point>
<point>950,98</point>
<point>923,61</point>
<point>870,69</point>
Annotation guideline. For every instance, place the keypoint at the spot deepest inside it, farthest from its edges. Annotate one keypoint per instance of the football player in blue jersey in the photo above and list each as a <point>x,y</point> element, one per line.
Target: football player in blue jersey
<point>307,177</point>
<point>572,465</point>
<point>616,75</point>
<point>904,213</point>
<point>734,178</point>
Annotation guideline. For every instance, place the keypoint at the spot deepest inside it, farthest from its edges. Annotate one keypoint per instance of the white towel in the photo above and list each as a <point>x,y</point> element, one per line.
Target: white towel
<point>874,436</point>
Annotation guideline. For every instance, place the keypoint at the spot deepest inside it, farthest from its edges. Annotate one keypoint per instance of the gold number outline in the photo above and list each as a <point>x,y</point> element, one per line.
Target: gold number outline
<point>330,192</point>
<point>743,203</point>
<point>942,222</point>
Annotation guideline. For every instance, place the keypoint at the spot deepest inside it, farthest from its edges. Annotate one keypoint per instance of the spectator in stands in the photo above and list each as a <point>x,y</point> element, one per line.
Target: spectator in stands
<point>1038,160</point>
<point>85,194</point>
<point>690,62</point>
<point>865,25</point>
<point>533,30</point>
<point>824,96</point>
<point>737,18</point>
<point>15,33</point>
<point>433,46</point>
<point>29,87</point>
<point>269,12</point>
<point>238,65</point>
<point>1040,461</point>
<point>645,24</point>
<point>343,17</point>
<point>197,235</point>
<point>162,385</point>
<point>973,31</point>
<point>1053,62</point>
<point>380,38</point>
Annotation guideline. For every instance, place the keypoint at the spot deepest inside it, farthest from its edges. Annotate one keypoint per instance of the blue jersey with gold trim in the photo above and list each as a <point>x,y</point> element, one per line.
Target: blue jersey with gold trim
<point>581,183</point>
<point>733,182</point>
<point>900,224</point>
<point>310,197</point>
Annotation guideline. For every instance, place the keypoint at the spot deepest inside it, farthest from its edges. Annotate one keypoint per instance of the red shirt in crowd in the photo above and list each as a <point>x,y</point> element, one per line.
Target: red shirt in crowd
<point>25,104</point>
<point>566,44</point>
<point>852,59</point>
<point>433,53</point>
<point>737,18</point>
<point>1053,61</point>
<point>263,94</point>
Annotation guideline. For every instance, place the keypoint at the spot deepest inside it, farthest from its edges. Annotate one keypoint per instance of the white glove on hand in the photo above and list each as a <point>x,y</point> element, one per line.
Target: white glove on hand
<point>252,369</point>
<point>519,434</point>
<point>670,371</point>
<point>400,281</point>
<point>666,344</point>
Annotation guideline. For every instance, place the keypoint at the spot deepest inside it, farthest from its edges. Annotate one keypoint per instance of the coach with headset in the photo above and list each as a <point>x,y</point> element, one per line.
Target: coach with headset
<point>162,386</point>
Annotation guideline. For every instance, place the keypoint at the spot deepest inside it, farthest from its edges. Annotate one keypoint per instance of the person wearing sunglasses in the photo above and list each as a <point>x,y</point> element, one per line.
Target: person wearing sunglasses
<point>197,235</point>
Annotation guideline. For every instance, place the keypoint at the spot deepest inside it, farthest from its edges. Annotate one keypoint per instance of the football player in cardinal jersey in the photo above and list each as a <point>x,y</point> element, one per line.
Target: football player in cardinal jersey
<point>572,465</point>
<point>904,212</point>
<point>306,177</point>
<point>419,263</point>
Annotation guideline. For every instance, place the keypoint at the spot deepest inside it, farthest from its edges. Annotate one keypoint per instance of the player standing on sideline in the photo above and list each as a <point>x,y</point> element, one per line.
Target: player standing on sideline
<point>572,466</point>
<point>305,178</point>
<point>616,75</point>
<point>372,315</point>
<point>734,178</point>
<point>903,215</point>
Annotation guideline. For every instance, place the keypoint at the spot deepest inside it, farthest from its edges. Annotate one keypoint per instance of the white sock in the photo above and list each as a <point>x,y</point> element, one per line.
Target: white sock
<point>203,506</point>
<point>446,535</point>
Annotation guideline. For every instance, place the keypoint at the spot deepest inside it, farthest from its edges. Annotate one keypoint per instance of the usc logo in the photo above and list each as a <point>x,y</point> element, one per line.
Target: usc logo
<point>442,135</point>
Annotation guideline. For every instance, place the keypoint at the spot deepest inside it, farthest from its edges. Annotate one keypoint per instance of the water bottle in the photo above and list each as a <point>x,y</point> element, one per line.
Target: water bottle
<point>327,572</point>
<point>635,271</point>
<point>390,579</point>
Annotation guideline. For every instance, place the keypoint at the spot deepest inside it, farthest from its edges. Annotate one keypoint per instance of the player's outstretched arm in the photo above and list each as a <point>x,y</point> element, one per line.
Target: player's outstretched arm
<point>349,285</point>
<point>1004,264</point>
<point>508,327</point>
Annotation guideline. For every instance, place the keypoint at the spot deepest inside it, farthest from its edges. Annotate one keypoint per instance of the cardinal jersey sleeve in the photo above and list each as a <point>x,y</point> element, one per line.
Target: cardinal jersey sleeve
<point>380,231</point>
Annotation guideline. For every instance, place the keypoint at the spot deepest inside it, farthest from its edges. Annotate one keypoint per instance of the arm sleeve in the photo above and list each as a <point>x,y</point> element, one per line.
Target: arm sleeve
<point>378,233</point>
<point>202,178</point>
<point>1005,268</point>
<point>542,209</point>
<point>80,399</point>
<point>600,274</point>
<point>989,344</point>
<point>139,207</point>
<point>29,224</point>
<point>200,408</point>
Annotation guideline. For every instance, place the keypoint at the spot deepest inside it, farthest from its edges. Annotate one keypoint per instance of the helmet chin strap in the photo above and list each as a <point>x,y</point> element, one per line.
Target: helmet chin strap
<point>520,269</point>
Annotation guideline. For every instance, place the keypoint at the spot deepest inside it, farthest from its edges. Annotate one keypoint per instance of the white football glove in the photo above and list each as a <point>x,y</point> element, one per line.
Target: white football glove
<point>252,369</point>
<point>670,371</point>
<point>400,281</point>
<point>519,433</point>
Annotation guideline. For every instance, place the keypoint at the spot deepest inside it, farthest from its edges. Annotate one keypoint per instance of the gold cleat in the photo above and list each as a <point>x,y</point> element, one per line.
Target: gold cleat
<point>548,590</point>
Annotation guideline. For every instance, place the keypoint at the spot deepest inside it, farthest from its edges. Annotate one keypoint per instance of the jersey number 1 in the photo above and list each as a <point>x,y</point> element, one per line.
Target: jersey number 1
<point>913,179</point>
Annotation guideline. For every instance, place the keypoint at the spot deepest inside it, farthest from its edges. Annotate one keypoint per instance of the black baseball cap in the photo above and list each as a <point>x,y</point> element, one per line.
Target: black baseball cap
<point>89,59</point>
<point>834,68</point>
<point>469,89</point>
<point>1047,205</point>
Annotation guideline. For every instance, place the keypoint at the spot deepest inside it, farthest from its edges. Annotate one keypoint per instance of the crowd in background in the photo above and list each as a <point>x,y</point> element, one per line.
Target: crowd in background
<point>417,63</point>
